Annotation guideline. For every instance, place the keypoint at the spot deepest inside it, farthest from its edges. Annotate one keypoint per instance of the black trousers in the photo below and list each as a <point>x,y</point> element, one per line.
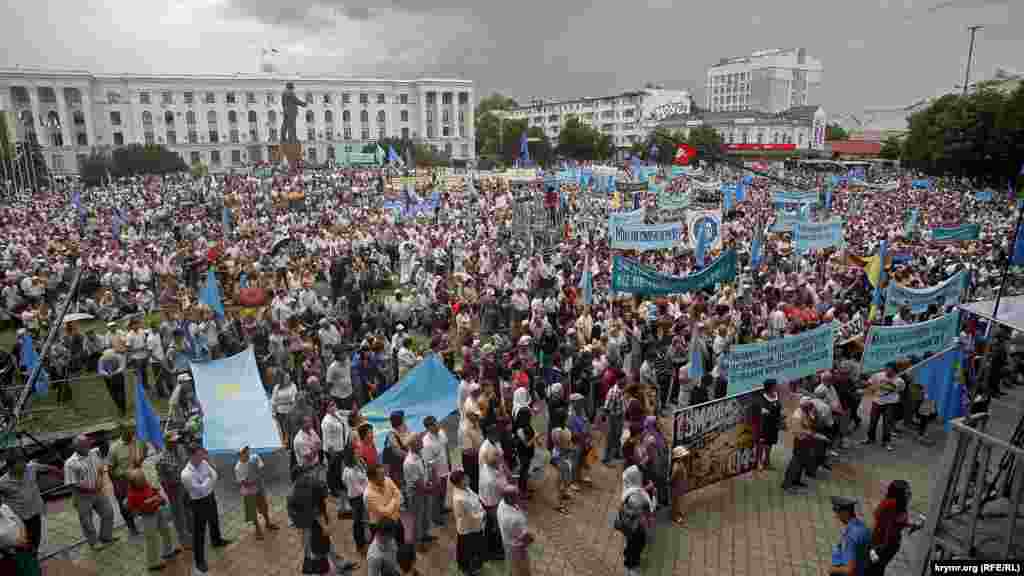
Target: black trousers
<point>495,550</point>
<point>471,465</point>
<point>635,542</point>
<point>115,386</point>
<point>358,521</point>
<point>34,527</point>
<point>204,513</point>
<point>469,552</point>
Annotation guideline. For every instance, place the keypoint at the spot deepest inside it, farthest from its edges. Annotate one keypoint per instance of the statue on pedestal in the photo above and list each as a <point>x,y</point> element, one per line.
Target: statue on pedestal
<point>290,103</point>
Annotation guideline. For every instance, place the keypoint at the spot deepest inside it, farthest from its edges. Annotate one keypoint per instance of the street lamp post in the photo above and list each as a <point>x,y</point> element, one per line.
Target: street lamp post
<point>970,56</point>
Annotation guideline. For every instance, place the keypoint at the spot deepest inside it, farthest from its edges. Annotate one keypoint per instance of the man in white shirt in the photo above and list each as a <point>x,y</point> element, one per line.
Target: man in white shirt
<point>888,386</point>
<point>336,438</point>
<point>83,472</point>
<point>339,381</point>
<point>199,479</point>
<point>435,458</point>
<point>155,346</point>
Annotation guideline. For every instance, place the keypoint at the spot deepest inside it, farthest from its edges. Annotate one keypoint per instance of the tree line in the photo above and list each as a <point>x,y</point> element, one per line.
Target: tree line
<point>979,136</point>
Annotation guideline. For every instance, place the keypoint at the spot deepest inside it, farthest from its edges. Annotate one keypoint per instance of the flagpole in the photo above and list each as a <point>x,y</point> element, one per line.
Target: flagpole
<point>1006,265</point>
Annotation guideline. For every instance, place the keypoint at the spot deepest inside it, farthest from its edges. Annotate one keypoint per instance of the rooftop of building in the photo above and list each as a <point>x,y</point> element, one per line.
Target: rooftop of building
<point>755,54</point>
<point>534,102</point>
<point>796,113</point>
<point>235,76</point>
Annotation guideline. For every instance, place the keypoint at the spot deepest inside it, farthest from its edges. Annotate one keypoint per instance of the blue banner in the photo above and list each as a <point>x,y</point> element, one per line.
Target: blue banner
<point>983,195</point>
<point>818,235</point>
<point>942,377</point>
<point>921,184</point>
<point>948,293</point>
<point>960,233</point>
<point>429,389</point>
<point>795,197</point>
<point>631,277</point>
<point>626,218</point>
<point>235,405</point>
<point>784,221</point>
<point>885,344</point>
<point>784,359</point>
<point>640,236</point>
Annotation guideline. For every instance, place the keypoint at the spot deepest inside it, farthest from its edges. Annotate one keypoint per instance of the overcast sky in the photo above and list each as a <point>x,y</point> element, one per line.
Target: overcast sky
<point>875,52</point>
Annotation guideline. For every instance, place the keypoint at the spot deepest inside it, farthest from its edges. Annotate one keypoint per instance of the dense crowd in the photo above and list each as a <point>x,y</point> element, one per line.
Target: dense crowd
<point>340,294</point>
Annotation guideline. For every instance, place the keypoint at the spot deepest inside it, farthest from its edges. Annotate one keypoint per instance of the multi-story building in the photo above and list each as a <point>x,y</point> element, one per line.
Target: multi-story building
<point>769,81</point>
<point>232,119</point>
<point>627,118</point>
<point>801,128</point>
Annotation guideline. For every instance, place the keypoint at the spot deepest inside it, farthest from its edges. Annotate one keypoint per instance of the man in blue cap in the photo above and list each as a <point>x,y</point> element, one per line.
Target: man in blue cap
<point>850,556</point>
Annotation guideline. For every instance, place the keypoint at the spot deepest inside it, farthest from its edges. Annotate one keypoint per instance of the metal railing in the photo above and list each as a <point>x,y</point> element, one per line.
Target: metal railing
<point>957,524</point>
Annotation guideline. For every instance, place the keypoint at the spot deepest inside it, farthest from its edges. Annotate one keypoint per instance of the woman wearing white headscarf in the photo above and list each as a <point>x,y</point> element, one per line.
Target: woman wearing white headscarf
<point>524,435</point>
<point>635,514</point>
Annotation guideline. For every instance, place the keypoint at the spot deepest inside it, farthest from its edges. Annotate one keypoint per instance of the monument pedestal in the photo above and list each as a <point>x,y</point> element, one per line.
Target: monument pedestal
<point>291,151</point>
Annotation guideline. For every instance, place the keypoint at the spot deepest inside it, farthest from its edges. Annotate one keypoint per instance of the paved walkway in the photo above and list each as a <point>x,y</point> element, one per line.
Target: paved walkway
<point>743,527</point>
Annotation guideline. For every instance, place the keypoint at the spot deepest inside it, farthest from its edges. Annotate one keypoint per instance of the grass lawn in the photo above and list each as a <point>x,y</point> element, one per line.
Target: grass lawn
<point>91,405</point>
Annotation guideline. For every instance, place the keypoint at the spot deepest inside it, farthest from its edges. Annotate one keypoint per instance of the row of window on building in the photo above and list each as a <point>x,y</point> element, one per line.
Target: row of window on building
<point>271,98</point>
<point>253,117</point>
<point>583,105</point>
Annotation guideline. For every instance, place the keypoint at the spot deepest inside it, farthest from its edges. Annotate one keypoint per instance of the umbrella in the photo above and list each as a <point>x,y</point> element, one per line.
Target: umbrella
<point>76,316</point>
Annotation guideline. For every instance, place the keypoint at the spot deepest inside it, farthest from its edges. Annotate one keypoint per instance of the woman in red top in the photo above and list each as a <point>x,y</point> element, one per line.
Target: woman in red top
<point>364,444</point>
<point>148,504</point>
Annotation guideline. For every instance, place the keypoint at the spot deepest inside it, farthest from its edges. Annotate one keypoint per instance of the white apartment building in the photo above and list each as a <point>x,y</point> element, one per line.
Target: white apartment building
<point>627,118</point>
<point>769,81</point>
<point>232,119</point>
<point>801,128</point>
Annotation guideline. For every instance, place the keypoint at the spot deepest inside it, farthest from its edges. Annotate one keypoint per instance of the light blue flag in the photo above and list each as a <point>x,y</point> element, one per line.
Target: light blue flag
<point>828,195</point>
<point>741,191</point>
<point>728,197</point>
<point>1017,259</point>
<point>236,405</point>
<point>696,368</point>
<point>30,363</point>
<point>636,168</point>
<point>876,296</point>
<point>429,389</point>
<point>587,285</point>
<point>757,246</point>
<point>147,423</point>
<point>226,221</point>
<point>942,377</point>
<point>210,294</point>
<point>702,246</point>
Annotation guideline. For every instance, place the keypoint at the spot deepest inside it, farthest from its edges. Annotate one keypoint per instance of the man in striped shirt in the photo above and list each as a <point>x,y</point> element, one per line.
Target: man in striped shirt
<point>83,473</point>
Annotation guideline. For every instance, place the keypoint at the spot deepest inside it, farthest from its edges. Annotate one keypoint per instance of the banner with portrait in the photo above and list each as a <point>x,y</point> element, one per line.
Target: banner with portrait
<point>720,437</point>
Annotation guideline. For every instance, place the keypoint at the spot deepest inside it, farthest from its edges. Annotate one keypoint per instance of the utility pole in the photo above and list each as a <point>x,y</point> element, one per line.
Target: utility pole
<point>970,56</point>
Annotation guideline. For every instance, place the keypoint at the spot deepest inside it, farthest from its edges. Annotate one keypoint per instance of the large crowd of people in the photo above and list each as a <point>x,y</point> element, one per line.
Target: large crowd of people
<point>342,280</point>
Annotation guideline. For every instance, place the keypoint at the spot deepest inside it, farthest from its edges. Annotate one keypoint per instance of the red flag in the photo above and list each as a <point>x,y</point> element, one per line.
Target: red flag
<point>684,153</point>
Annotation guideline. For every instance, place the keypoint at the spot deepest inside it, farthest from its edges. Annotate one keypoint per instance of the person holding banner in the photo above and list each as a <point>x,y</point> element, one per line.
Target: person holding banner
<point>768,420</point>
<point>888,386</point>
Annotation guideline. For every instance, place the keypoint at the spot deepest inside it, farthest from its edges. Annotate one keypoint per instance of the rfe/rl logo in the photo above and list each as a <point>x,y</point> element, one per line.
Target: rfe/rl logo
<point>710,230</point>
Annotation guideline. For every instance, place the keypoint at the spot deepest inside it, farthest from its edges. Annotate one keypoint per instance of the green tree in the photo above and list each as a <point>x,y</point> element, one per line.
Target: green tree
<point>979,136</point>
<point>579,141</point>
<point>705,139</point>
<point>138,159</point>
<point>836,132</point>
<point>199,170</point>
<point>891,149</point>
<point>95,169</point>
<point>663,143</point>
<point>491,128</point>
